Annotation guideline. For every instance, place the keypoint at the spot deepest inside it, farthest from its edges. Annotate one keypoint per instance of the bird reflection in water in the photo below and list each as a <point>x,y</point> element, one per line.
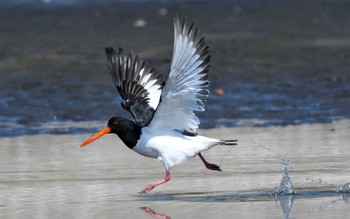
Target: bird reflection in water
<point>154,214</point>
<point>286,203</point>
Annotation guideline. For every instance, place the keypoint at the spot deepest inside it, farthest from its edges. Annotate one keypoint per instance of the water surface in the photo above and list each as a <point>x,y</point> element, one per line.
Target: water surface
<point>45,175</point>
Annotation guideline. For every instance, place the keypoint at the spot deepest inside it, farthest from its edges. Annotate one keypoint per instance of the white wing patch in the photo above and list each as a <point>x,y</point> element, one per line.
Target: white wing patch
<point>185,89</point>
<point>154,90</point>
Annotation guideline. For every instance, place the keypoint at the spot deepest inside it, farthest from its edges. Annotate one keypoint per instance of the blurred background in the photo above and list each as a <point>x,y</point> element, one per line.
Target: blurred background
<point>278,62</point>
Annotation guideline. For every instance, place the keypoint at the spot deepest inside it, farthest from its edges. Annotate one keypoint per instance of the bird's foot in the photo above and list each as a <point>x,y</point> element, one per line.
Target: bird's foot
<point>148,188</point>
<point>208,165</point>
<point>152,186</point>
<point>212,166</point>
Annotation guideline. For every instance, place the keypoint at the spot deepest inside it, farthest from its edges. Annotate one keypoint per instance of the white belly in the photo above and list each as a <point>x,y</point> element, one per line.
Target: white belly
<point>172,148</point>
<point>142,147</point>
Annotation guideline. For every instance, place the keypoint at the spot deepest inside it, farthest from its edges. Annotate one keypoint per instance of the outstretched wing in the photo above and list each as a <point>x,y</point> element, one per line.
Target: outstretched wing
<point>138,84</point>
<point>185,89</point>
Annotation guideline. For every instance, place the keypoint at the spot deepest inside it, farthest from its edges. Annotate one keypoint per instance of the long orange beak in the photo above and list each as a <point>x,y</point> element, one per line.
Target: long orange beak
<point>96,136</point>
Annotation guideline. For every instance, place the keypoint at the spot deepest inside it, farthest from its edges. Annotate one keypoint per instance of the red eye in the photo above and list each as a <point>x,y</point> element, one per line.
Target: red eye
<point>115,123</point>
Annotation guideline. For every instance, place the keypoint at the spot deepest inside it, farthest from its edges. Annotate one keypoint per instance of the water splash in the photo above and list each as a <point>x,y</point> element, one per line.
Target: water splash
<point>286,186</point>
<point>320,181</point>
<point>345,188</point>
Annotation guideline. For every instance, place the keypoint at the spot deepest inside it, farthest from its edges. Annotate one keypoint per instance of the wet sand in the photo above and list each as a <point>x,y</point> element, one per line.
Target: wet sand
<point>50,175</point>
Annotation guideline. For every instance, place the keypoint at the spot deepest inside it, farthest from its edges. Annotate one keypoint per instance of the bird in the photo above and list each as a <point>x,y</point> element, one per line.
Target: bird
<point>164,124</point>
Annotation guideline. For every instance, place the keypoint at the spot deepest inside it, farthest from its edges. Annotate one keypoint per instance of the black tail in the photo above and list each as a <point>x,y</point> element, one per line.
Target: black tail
<point>229,142</point>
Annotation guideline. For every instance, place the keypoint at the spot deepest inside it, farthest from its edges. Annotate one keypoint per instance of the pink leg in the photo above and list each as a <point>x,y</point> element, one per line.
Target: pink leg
<point>210,166</point>
<point>152,186</point>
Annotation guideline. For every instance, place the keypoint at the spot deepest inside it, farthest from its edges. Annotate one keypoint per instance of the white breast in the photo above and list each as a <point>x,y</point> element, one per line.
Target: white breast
<point>172,148</point>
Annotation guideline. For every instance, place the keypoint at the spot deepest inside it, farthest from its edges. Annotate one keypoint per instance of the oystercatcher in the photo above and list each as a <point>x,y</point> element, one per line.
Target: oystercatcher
<point>164,126</point>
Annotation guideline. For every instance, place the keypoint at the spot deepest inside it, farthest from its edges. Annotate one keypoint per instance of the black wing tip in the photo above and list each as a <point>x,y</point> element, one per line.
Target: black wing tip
<point>182,26</point>
<point>189,29</point>
<point>109,51</point>
<point>192,31</point>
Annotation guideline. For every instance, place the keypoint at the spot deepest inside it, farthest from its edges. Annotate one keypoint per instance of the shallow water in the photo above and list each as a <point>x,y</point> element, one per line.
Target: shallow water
<point>43,175</point>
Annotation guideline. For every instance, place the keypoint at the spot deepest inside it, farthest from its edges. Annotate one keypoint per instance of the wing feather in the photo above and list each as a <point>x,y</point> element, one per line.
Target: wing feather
<point>186,88</point>
<point>138,84</point>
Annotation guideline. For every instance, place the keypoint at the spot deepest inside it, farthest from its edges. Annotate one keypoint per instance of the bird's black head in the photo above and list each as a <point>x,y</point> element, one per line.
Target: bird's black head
<point>119,125</point>
<point>126,129</point>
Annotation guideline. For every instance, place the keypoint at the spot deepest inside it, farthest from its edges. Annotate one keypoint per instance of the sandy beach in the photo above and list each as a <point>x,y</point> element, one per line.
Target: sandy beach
<point>50,175</point>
